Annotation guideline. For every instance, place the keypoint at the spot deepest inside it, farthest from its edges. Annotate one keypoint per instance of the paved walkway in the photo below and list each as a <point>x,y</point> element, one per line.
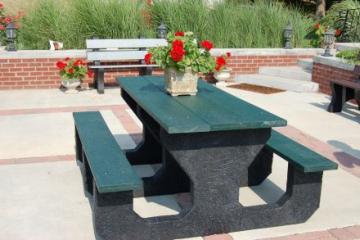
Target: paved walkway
<point>41,189</point>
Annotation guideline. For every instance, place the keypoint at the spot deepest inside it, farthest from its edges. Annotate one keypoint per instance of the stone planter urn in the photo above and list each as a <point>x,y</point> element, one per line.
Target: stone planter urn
<point>223,75</point>
<point>71,85</point>
<point>181,83</point>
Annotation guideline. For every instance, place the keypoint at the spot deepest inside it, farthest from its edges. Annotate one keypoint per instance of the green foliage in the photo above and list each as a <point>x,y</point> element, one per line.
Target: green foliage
<point>352,32</point>
<point>350,55</point>
<point>72,69</point>
<point>199,60</point>
<point>234,25</point>
<point>82,19</point>
<point>237,24</point>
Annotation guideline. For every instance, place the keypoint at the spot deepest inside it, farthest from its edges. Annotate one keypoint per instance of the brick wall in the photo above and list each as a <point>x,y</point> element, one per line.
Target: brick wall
<point>17,72</point>
<point>323,73</point>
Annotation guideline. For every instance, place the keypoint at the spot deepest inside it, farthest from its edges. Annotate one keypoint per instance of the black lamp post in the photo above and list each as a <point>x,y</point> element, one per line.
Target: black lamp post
<point>162,30</point>
<point>11,36</point>
<point>288,35</point>
<point>329,38</point>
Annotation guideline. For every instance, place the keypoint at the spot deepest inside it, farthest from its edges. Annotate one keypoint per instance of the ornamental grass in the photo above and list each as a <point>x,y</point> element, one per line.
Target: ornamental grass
<point>229,25</point>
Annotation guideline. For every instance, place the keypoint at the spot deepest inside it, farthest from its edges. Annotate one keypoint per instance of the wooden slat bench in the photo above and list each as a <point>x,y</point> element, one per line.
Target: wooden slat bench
<point>299,156</point>
<point>101,52</point>
<point>104,166</point>
<point>343,91</point>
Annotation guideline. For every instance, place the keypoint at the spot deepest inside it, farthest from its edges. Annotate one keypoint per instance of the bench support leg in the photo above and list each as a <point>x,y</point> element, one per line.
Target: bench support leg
<point>261,168</point>
<point>337,99</point>
<point>99,80</point>
<point>169,179</point>
<point>145,71</point>
<point>147,152</point>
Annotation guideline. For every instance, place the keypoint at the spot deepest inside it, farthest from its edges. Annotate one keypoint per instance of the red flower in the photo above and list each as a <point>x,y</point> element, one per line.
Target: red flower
<point>179,34</point>
<point>147,58</point>
<point>338,32</point>
<point>317,26</point>
<point>178,43</point>
<point>2,27</point>
<point>8,20</point>
<point>177,52</point>
<point>71,70</point>
<point>228,54</point>
<point>90,73</point>
<point>78,63</point>
<point>207,45</point>
<point>2,6</point>
<point>61,65</point>
<point>67,59</point>
<point>220,62</point>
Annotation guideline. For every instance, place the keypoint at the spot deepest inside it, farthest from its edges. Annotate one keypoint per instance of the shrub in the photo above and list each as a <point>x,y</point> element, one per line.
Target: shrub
<point>350,55</point>
<point>79,20</point>
<point>333,19</point>
<point>235,25</point>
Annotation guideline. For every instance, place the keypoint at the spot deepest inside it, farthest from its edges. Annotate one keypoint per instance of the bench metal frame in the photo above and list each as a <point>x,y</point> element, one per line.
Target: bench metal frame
<point>103,51</point>
<point>343,91</point>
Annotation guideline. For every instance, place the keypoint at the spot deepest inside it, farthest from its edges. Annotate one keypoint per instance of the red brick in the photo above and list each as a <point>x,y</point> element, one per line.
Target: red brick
<point>219,237</point>
<point>14,60</point>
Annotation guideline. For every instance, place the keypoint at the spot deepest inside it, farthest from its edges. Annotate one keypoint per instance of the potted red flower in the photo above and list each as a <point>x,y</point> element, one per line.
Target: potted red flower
<point>72,72</point>
<point>222,73</point>
<point>183,59</point>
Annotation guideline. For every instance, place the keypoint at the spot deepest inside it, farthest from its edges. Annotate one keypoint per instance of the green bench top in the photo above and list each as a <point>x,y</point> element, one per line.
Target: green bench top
<point>210,110</point>
<point>110,168</point>
<point>302,157</point>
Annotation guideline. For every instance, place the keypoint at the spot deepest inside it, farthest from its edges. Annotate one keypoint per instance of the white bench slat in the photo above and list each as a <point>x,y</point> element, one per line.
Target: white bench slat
<point>125,43</point>
<point>122,66</point>
<point>115,55</point>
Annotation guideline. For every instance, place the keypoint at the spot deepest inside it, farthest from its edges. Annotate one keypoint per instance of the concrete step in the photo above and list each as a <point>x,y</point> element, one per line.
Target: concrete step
<point>278,82</point>
<point>294,72</point>
<point>306,64</point>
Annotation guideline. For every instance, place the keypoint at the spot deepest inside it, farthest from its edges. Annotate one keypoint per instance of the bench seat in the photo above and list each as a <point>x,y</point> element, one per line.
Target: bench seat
<point>102,52</point>
<point>298,155</point>
<point>97,147</point>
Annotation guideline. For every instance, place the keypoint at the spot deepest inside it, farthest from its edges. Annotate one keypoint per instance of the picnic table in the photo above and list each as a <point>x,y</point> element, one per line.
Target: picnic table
<point>209,145</point>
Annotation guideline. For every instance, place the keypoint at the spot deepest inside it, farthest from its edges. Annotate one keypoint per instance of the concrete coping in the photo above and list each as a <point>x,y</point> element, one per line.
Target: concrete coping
<point>334,62</point>
<point>346,46</point>
<point>28,54</point>
<point>266,51</point>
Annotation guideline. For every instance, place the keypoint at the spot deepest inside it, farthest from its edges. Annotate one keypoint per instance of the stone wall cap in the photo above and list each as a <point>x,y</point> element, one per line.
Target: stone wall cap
<point>28,54</point>
<point>334,62</point>
<point>266,51</point>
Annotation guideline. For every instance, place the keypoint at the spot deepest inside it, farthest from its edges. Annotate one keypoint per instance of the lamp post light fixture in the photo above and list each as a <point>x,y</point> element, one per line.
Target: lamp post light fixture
<point>329,38</point>
<point>162,30</point>
<point>288,32</point>
<point>11,36</point>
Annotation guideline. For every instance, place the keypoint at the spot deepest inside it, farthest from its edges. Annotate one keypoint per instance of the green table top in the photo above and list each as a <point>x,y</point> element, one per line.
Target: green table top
<point>210,110</point>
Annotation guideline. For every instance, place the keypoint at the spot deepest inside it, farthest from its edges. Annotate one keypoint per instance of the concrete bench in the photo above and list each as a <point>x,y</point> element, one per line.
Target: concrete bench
<point>343,91</point>
<point>104,166</point>
<point>102,52</point>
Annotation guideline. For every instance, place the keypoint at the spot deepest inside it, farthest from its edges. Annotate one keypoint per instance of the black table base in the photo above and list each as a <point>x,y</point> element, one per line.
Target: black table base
<point>212,166</point>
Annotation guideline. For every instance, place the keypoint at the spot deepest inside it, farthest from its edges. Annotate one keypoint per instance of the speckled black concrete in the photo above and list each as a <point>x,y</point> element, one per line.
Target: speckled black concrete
<point>212,166</point>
